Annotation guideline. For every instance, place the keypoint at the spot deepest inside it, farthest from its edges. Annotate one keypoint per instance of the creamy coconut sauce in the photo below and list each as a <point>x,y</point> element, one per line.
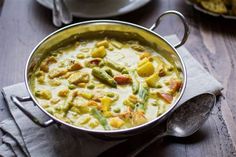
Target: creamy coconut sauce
<point>106,84</point>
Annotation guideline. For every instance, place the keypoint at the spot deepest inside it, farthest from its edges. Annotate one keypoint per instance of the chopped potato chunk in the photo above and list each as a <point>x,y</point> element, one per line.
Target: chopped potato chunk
<point>99,52</point>
<point>138,118</point>
<point>116,122</point>
<point>152,80</point>
<point>146,69</point>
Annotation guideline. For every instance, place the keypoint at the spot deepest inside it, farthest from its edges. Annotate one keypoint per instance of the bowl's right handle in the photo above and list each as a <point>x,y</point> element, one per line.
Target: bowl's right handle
<point>17,101</point>
<point>181,16</point>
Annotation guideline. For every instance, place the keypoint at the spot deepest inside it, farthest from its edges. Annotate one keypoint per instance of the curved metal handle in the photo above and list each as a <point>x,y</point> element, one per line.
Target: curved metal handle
<point>181,16</point>
<point>17,101</point>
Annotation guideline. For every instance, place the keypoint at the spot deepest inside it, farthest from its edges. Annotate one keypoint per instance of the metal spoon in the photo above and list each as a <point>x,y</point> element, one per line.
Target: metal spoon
<point>186,119</point>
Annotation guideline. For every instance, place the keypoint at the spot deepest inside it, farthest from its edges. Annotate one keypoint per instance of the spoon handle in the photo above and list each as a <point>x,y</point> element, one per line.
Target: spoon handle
<point>55,15</point>
<point>145,145</point>
<point>65,14</point>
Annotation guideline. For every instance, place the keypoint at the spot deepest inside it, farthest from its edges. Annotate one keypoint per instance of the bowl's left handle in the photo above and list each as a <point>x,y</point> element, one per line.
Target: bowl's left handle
<point>17,101</point>
<point>181,16</point>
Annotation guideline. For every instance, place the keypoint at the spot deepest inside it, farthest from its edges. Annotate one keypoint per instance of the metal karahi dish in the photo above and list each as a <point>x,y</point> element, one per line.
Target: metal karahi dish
<point>72,33</point>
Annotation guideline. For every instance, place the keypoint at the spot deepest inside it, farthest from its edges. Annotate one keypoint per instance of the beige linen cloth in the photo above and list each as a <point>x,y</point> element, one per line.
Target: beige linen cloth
<point>24,138</point>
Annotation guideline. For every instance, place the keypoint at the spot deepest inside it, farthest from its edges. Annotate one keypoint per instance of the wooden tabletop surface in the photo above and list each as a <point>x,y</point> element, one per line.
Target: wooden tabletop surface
<point>212,42</point>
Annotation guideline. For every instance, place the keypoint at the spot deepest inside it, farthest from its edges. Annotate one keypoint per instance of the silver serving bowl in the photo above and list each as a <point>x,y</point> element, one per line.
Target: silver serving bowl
<point>113,28</point>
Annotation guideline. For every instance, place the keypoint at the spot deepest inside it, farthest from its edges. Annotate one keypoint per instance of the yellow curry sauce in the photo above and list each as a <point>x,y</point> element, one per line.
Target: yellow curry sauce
<point>106,84</point>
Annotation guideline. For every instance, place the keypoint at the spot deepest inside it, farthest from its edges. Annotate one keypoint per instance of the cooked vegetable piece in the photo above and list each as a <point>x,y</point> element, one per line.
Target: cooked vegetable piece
<point>71,86</point>
<point>103,121</point>
<point>114,65</point>
<point>75,65</point>
<point>93,62</point>
<point>41,79</point>
<point>144,55</point>
<point>142,62</point>
<point>116,122</point>
<point>54,82</point>
<point>152,80</point>
<point>117,44</point>
<point>146,69</point>
<point>45,64</point>
<point>104,43</point>
<point>55,100</point>
<point>175,85</point>
<point>79,77</point>
<point>86,95</point>
<point>63,92</point>
<point>137,47</point>
<point>214,6</point>
<point>103,76</point>
<point>109,71</point>
<point>85,120</point>
<point>99,52</point>
<point>56,72</point>
<point>91,86</point>
<point>135,82</point>
<point>43,94</point>
<point>165,96</point>
<point>80,56</point>
<point>143,95</point>
<point>138,118</point>
<point>93,123</point>
<point>122,79</point>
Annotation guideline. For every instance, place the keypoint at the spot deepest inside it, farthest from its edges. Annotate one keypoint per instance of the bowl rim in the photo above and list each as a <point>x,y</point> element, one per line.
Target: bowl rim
<point>91,22</point>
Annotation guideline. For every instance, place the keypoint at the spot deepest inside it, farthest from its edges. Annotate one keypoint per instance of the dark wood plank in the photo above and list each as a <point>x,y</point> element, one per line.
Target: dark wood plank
<point>212,42</point>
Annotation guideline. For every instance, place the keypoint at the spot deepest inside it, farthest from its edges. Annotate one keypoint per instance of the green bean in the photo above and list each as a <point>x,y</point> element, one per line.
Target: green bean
<point>135,82</point>
<point>143,92</point>
<point>143,95</point>
<point>103,121</point>
<point>114,65</point>
<point>109,71</point>
<point>103,76</point>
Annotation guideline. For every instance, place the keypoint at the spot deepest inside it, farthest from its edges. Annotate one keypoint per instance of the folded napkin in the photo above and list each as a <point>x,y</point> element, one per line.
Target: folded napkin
<point>27,139</point>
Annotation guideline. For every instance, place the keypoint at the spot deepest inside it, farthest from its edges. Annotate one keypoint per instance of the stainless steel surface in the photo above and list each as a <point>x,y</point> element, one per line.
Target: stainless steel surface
<point>17,101</point>
<point>64,12</point>
<point>186,119</point>
<point>186,27</point>
<point>98,28</point>
<point>55,15</point>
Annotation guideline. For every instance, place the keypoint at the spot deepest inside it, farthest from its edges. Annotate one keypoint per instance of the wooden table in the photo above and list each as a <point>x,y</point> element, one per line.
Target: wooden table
<point>212,42</point>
